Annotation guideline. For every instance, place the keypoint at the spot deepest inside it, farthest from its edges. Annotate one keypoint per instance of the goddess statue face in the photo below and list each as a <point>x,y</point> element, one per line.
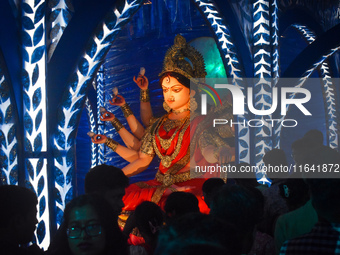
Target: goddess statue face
<point>175,94</point>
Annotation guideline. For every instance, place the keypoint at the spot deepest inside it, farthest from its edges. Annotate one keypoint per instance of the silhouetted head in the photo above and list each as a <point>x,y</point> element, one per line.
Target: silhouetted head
<point>109,182</point>
<point>314,136</point>
<point>18,213</point>
<point>299,149</point>
<point>210,188</point>
<point>275,158</point>
<point>180,203</point>
<point>149,220</point>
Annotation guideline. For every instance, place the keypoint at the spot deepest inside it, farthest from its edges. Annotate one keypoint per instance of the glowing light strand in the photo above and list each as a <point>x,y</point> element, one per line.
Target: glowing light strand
<point>276,62</point>
<point>329,97</point>
<point>39,184</point>
<point>64,139</point>
<point>303,79</point>
<point>262,70</point>
<point>34,93</point>
<point>275,42</point>
<point>9,144</point>
<point>61,13</point>
<point>93,128</point>
<point>328,89</point>
<point>100,124</point>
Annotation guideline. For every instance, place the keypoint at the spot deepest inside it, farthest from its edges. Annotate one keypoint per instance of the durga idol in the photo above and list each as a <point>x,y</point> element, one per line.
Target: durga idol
<point>171,136</point>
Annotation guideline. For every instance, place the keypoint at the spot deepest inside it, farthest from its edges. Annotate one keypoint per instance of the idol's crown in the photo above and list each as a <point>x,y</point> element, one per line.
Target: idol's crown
<point>184,59</point>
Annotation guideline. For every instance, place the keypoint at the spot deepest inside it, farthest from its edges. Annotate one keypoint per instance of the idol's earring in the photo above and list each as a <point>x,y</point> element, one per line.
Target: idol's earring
<point>166,107</point>
<point>192,104</point>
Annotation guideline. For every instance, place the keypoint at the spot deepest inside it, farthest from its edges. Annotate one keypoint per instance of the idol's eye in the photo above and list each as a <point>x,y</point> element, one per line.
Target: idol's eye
<point>165,90</point>
<point>176,90</point>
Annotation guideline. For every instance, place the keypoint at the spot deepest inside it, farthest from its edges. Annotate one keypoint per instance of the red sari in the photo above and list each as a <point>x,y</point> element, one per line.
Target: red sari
<point>172,145</point>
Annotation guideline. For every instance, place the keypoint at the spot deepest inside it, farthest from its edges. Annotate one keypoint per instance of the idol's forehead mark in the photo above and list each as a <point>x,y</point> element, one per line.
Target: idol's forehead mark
<point>179,85</point>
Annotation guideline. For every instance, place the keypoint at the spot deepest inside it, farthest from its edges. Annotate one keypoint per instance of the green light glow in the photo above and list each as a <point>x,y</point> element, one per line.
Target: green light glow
<point>213,62</point>
<point>212,58</point>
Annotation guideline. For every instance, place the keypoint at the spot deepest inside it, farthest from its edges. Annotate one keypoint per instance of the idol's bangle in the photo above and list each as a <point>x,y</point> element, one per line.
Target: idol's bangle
<point>126,110</point>
<point>144,95</point>
<point>112,144</point>
<point>117,124</point>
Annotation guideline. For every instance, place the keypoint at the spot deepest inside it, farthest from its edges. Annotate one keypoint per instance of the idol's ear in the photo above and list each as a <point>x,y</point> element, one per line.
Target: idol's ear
<point>192,93</point>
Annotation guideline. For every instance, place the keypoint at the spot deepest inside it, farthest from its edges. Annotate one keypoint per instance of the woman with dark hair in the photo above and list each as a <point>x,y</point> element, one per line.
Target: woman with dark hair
<point>89,228</point>
<point>148,218</point>
<point>171,136</point>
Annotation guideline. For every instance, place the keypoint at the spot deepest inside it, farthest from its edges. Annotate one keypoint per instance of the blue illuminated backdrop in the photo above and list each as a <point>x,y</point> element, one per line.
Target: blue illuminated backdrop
<point>51,51</point>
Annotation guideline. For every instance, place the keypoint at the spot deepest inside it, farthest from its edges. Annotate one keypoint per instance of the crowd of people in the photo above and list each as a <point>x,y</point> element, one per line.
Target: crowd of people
<point>295,215</point>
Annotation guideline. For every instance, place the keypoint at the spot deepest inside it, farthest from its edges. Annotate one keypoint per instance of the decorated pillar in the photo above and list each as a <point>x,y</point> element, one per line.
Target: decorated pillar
<point>35,112</point>
<point>266,72</point>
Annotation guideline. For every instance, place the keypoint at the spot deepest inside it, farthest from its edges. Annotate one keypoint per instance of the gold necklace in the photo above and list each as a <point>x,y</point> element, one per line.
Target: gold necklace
<point>166,142</point>
<point>180,111</point>
<point>171,124</point>
<point>167,160</point>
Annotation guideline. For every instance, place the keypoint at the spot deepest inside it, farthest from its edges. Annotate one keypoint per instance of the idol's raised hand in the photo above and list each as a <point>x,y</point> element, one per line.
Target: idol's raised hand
<point>97,138</point>
<point>117,100</point>
<point>141,81</point>
<point>105,115</point>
